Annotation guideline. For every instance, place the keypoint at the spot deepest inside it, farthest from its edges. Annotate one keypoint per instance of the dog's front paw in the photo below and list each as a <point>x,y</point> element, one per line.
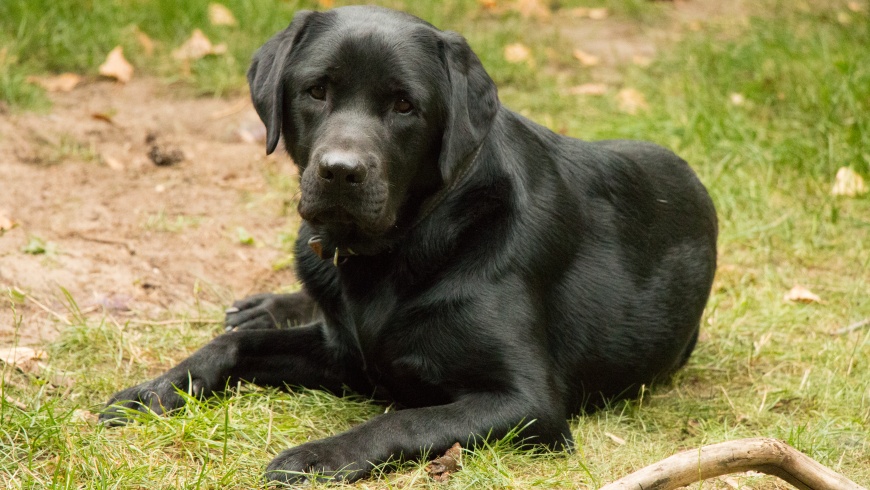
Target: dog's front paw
<point>319,460</point>
<point>160,396</point>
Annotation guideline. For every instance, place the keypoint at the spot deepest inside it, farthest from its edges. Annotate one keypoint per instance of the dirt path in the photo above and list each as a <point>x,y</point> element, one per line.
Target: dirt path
<point>123,234</point>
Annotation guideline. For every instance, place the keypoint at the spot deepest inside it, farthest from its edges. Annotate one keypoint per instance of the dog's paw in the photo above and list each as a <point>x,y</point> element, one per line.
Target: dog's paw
<point>257,312</point>
<point>160,396</point>
<point>316,461</point>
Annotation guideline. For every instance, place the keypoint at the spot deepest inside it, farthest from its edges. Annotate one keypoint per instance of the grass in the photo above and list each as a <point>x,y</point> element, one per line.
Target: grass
<point>764,367</point>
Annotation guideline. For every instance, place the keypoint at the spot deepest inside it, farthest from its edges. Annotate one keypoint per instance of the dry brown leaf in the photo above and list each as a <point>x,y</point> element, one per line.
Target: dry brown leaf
<point>615,438</point>
<point>64,82</point>
<point>112,162</point>
<point>631,101</point>
<point>146,42</point>
<point>800,294</point>
<point>585,58</point>
<point>24,358</point>
<point>116,66</point>
<point>488,4</point>
<point>533,9</point>
<point>196,47</point>
<point>6,223</point>
<point>641,60</point>
<point>848,183</point>
<point>441,468</point>
<point>599,13</point>
<point>588,89</point>
<point>326,4</point>
<point>517,53</point>
<point>220,15</point>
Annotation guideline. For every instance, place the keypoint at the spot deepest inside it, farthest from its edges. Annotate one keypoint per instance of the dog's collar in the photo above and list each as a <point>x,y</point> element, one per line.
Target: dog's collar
<point>340,255</point>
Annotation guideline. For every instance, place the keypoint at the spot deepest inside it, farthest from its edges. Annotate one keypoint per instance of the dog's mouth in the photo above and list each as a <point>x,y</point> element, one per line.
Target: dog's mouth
<point>349,233</point>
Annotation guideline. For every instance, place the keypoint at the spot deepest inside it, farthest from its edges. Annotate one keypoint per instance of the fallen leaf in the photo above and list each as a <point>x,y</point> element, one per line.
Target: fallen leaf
<point>104,116</point>
<point>641,60</point>
<point>615,438</point>
<point>579,12</point>
<point>848,183</point>
<point>196,47</point>
<point>533,8</point>
<point>23,358</point>
<point>326,4</point>
<point>599,13</point>
<point>631,101</point>
<point>441,468</point>
<point>855,6</point>
<point>517,53</point>
<point>585,58</point>
<point>488,4</point>
<point>116,66</point>
<point>588,89</point>
<point>800,294</point>
<point>146,42</point>
<point>64,82</point>
<point>6,222</point>
<point>220,15</point>
<point>83,416</point>
<point>737,99</point>
<point>112,162</point>
<point>730,481</point>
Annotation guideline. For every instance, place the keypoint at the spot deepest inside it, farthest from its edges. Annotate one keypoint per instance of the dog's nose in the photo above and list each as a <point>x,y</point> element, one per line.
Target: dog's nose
<point>341,167</point>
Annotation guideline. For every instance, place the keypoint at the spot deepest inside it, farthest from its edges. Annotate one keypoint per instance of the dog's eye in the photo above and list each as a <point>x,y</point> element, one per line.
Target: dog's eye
<point>402,106</point>
<point>318,92</point>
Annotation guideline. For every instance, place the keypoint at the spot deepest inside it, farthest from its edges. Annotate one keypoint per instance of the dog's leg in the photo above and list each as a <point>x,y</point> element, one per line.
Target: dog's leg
<point>295,357</point>
<point>267,310</point>
<point>411,433</point>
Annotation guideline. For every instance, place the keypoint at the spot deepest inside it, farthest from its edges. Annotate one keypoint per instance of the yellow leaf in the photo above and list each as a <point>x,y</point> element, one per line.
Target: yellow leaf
<point>800,294</point>
<point>848,183</point>
<point>220,15</point>
<point>23,358</point>
<point>116,66</point>
<point>6,223</point>
<point>631,101</point>
<point>64,82</point>
<point>588,89</point>
<point>146,42</point>
<point>517,53</point>
<point>196,47</point>
<point>585,58</point>
<point>599,13</point>
<point>533,8</point>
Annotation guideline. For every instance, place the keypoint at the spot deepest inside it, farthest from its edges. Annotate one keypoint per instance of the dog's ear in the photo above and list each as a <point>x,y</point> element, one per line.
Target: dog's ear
<point>472,103</point>
<point>266,77</point>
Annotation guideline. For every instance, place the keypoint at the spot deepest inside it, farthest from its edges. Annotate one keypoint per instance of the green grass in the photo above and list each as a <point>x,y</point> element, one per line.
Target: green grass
<point>764,367</point>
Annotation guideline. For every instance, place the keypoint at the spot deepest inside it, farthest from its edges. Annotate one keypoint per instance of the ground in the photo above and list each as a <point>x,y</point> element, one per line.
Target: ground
<point>124,235</point>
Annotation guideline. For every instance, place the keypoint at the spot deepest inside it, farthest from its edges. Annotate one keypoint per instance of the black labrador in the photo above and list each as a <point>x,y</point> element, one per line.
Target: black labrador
<point>459,260</point>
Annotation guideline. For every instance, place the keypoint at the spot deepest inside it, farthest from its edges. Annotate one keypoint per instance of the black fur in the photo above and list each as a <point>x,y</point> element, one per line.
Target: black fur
<point>490,273</point>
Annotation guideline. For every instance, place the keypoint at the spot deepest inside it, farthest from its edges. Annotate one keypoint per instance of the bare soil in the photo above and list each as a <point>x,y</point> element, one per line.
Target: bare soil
<point>124,235</point>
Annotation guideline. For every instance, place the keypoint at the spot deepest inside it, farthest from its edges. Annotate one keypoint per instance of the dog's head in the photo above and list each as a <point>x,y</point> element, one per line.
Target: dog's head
<point>378,109</point>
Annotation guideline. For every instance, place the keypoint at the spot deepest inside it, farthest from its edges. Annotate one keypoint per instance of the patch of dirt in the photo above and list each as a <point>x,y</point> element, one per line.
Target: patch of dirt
<point>125,235</point>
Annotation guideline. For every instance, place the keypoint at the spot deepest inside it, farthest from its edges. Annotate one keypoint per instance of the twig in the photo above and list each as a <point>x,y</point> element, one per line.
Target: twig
<point>49,311</point>
<point>172,322</point>
<point>13,401</point>
<point>852,327</point>
<point>758,454</point>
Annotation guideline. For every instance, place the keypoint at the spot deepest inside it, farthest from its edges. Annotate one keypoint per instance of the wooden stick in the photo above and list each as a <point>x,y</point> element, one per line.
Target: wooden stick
<point>852,327</point>
<point>757,454</point>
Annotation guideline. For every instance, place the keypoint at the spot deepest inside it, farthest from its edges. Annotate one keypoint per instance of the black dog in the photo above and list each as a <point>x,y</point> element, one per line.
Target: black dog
<point>462,261</point>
